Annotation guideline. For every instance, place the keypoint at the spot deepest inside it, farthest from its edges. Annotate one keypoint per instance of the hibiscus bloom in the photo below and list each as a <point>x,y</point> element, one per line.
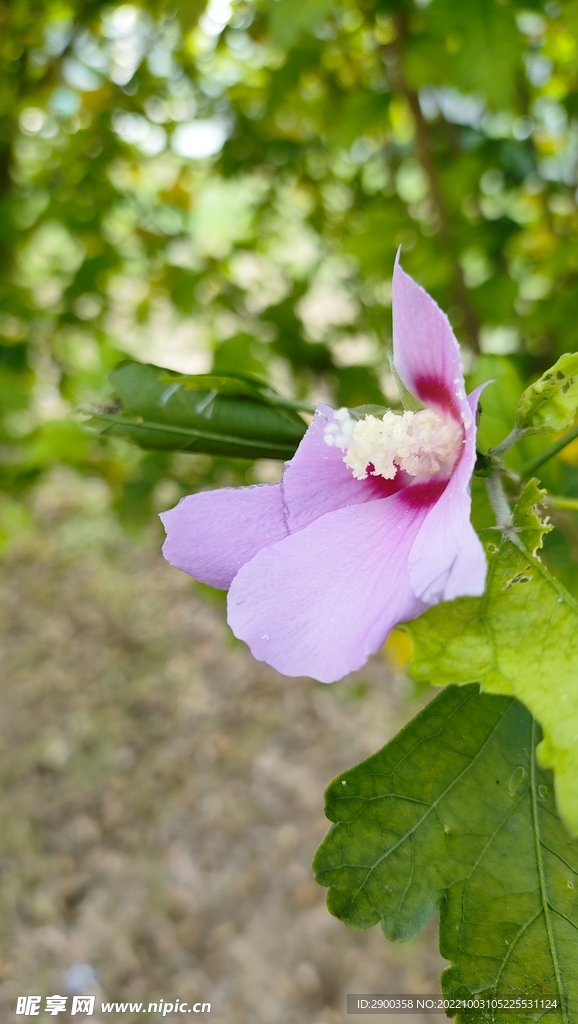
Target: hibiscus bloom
<point>369,526</point>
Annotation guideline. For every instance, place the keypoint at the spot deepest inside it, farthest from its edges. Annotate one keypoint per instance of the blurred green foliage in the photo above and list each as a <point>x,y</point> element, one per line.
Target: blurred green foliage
<point>223,187</point>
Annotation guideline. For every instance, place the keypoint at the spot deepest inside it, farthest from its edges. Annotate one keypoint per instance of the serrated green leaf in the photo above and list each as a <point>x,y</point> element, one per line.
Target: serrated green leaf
<point>158,412</point>
<point>551,402</point>
<point>520,638</point>
<point>455,813</point>
<point>531,527</point>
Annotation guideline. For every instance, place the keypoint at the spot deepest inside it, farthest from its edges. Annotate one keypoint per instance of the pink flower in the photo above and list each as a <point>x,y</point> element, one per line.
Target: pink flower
<point>369,526</point>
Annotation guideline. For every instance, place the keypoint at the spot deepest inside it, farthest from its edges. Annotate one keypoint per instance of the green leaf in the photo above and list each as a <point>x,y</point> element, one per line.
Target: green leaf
<point>454,813</point>
<point>359,412</point>
<point>408,401</point>
<point>521,639</point>
<point>551,402</point>
<point>235,385</point>
<point>162,410</point>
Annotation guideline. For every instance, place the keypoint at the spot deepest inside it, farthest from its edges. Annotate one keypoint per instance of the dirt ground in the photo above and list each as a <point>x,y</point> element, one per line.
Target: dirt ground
<point>162,793</point>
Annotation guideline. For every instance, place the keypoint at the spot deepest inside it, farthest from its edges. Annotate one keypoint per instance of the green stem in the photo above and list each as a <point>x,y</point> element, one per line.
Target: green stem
<point>533,464</point>
<point>559,501</point>
<point>502,510</point>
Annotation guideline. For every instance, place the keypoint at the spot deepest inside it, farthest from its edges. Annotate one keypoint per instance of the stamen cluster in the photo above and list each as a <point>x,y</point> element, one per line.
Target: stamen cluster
<point>422,444</point>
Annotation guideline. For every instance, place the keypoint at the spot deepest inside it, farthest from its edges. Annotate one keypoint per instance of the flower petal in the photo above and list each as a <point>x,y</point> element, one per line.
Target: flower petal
<point>316,480</point>
<point>212,534</point>
<point>321,601</point>
<point>426,354</point>
<point>447,559</point>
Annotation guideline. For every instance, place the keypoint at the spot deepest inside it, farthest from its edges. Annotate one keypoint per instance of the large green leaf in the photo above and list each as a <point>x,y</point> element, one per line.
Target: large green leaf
<point>224,416</point>
<point>520,638</point>
<point>551,402</point>
<point>455,813</point>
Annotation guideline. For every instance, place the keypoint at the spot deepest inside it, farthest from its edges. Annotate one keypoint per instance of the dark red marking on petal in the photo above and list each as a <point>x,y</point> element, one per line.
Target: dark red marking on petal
<point>426,493</point>
<point>433,391</point>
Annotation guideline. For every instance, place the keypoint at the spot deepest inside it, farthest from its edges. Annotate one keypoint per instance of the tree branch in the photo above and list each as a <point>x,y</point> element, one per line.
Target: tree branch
<point>394,59</point>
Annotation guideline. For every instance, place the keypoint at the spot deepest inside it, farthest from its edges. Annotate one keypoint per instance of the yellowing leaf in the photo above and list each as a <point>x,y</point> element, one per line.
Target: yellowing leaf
<point>399,648</point>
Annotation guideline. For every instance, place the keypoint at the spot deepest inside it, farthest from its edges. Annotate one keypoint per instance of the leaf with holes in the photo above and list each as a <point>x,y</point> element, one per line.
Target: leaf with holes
<point>551,402</point>
<point>454,813</point>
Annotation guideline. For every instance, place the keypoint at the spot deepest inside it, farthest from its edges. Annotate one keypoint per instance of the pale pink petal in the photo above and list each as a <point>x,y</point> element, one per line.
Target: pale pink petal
<point>321,601</point>
<point>316,480</point>
<point>426,354</point>
<point>212,534</point>
<point>447,559</point>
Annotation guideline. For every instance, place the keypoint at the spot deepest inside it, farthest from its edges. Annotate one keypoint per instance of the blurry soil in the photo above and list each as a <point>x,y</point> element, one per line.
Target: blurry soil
<point>162,793</point>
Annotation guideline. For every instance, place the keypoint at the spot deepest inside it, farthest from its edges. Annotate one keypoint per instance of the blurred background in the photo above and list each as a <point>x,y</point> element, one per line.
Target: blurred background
<point>224,186</point>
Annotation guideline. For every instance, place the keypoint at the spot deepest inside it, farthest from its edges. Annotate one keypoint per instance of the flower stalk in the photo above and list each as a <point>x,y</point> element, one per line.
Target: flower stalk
<point>513,437</point>
<point>499,502</point>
